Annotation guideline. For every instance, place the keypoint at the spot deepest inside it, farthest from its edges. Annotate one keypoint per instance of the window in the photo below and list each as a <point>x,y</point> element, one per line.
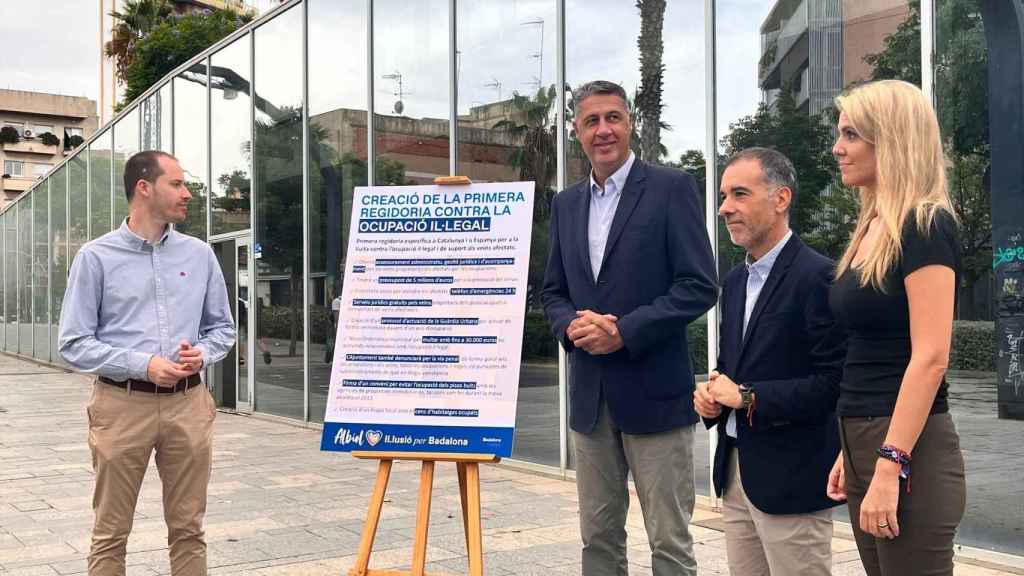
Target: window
<point>19,126</point>
<point>13,167</point>
<point>72,131</point>
<point>40,170</point>
<point>38,129</point>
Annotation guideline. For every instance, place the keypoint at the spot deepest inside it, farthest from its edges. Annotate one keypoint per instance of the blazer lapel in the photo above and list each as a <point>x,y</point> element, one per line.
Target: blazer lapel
<point>628,200</point>
<point>583,222</point>
<point>734,316</point>
<point>782,264</point>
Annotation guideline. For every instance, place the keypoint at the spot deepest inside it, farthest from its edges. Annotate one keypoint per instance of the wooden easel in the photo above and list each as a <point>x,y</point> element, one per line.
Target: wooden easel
<point>468,467</point>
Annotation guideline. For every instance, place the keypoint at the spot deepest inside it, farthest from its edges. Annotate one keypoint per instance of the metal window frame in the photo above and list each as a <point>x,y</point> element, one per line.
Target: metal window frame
<point>307,325</point>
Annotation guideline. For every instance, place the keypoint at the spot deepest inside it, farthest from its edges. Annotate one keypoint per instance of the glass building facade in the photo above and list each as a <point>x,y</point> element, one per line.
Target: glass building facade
<point>276,124</point>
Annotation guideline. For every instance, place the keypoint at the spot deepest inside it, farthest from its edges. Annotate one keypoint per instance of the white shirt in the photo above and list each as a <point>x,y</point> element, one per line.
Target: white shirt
<point>603,202</point>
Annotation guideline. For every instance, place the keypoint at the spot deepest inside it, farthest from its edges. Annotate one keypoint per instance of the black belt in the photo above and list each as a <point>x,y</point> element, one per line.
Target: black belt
<point>151,388</point>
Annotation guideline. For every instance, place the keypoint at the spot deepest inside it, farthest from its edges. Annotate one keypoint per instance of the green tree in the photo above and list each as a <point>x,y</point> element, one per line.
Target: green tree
<point>533,124</point>
<point>173,42</point>
<point>961,96</point>
<point>806,140</point>
<point>648,102</point>
<point>131,24</point>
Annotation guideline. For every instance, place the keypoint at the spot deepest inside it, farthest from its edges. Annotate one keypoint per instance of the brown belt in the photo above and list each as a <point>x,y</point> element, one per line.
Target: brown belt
<point>151,388</point>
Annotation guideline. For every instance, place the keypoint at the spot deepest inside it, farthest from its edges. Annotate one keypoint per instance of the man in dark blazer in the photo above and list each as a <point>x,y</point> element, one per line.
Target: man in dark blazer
<point>774,391</point>
<point>630,267</point>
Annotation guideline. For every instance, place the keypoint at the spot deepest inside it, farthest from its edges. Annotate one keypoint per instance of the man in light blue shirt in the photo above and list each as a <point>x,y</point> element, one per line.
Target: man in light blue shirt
<point>145,310</point>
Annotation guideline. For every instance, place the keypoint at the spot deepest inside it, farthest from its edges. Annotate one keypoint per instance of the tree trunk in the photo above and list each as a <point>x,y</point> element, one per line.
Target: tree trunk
<point>648,98</point>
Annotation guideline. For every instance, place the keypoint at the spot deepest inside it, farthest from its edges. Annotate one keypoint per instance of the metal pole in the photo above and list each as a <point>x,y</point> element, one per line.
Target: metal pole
<point>927,48</point>
<point>371,152</point>
<point>453,87</point>
<point>305,210</point>
<point>710,200</point>
<point>563,365</point>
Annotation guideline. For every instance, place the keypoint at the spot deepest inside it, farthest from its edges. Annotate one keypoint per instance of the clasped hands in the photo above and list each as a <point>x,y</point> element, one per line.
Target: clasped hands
<point>167,374</point>
<point>595,333</point>
<point>718,391</point>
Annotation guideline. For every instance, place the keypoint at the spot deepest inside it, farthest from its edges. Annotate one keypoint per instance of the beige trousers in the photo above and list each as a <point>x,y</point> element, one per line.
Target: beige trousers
<point>124,429</point>
<point>760,544</point>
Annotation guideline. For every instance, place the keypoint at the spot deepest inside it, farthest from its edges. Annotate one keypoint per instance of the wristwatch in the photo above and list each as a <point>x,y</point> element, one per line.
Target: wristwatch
<point>746,397</point>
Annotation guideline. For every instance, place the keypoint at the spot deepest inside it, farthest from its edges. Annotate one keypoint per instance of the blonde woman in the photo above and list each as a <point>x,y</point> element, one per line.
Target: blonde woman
<point>901,469</point>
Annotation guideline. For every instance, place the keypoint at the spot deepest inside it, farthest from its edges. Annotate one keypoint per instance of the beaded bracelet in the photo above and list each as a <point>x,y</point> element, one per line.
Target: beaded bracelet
<point>894,454</point>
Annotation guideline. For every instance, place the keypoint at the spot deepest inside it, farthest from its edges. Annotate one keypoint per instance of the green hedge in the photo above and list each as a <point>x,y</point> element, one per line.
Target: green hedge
<point>275,322</point>
<point>697,337</point>
<point>974,346</point>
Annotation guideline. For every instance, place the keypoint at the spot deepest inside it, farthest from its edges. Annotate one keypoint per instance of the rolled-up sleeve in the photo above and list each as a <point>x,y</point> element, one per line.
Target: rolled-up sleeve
<point>79,321</point>
<point>217,327</point>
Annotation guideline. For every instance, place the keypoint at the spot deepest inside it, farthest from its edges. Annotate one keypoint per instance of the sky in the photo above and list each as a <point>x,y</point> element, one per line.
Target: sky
<point>500,47</point>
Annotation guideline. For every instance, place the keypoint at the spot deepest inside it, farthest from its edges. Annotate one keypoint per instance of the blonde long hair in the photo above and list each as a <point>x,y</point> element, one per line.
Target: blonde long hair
<point>898,120</point>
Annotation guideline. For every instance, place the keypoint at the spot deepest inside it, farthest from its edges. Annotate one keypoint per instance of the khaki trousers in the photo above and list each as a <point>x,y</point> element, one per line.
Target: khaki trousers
<point>124,429</point>
<point>760,544</point>
<point>662,469</point>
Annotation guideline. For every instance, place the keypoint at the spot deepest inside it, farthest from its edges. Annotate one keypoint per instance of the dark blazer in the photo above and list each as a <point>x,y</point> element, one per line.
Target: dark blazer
<point>657,276</point>
<point>792,356</point>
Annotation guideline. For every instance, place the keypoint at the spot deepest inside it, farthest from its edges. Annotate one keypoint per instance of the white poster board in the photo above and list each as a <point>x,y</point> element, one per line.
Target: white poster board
<point>431,327</point>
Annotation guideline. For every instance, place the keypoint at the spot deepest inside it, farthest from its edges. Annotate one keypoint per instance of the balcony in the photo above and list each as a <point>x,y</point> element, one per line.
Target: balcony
<point>17,184</point>
<point>33,146</point>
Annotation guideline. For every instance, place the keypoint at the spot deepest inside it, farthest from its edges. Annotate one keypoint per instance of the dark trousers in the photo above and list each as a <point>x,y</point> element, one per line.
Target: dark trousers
<point>928,515</point>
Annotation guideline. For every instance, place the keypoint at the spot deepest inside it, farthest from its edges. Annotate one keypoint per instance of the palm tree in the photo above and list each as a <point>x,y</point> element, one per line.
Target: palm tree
<point>648,97</point>
<point>532,122</point>
<point>136,19</point>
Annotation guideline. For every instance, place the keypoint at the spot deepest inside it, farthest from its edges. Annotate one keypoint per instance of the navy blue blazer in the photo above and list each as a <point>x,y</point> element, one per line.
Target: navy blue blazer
<point>792,356</point>
<point>657,276</point>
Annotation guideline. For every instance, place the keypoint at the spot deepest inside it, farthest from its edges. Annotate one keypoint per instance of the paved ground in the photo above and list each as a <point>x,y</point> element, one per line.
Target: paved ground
<point>279,506</point>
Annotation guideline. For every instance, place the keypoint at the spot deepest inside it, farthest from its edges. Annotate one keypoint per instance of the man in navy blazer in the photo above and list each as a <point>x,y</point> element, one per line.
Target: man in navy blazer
<point>630,267</point>
<point>774,391</point>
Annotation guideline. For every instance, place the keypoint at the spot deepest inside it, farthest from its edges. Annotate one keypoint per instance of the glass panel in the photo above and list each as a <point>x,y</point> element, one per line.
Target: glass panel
<point>507,113</point>
<point>984,184</point>
<point>232,135</point>
<point>191,145</point>
<point>337,163</point>
<point>156,120</point>
<point>411,95</point>
<point>40,271</point>
<point>25,275</point>
<point>3,281</point>
<point>11,278</point>
<point>278,369</point>
<point>786,61</point>
<point>59,253</point>
<point>242,313</point>
<point>126,143</point>
<point>667,109</point>
<point>78,187</point>
<point>100,185</point>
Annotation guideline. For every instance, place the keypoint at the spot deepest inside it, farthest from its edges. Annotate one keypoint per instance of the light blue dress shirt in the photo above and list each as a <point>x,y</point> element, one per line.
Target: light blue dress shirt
<point>603,202</point>
<point>128,300</point>
<point>757,274</point>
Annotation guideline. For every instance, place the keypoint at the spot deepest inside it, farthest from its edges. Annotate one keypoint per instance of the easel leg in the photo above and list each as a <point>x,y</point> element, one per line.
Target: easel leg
<point>372,519</point>
<point>461,468</point>
<point>419,551</point>
<point>474,536</point>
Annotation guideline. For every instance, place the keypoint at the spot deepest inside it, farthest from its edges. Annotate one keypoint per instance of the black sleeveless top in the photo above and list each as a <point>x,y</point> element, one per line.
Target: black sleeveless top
<point>878,324</point>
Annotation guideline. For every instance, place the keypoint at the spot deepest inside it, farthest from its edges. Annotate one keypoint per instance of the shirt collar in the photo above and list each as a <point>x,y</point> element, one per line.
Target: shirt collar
<point>763,265</point>
<point>136,241</point>
<point>618,177</point>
